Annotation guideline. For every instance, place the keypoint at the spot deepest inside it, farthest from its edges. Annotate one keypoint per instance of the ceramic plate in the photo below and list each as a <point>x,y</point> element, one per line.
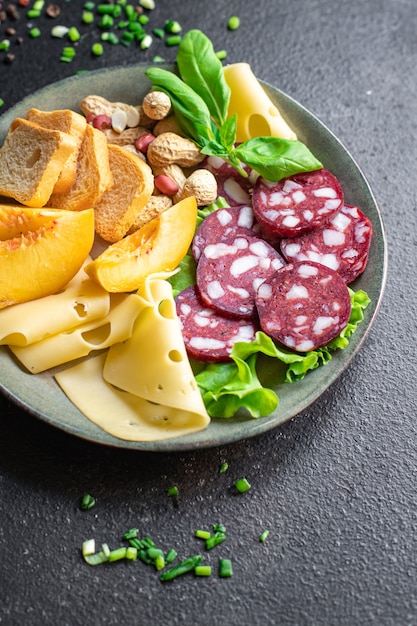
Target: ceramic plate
<point>40,394</point>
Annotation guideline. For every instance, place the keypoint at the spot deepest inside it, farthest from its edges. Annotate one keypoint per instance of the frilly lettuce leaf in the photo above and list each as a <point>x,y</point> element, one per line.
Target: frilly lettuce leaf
<point>232,386</point>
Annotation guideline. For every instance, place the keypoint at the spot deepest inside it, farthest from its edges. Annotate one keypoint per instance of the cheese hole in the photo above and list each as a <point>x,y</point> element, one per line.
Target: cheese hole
<point>33,158</point>
<point>166,309</point>
<point>175,356</point>
<point>98,335</point>
<point>258,126</point>
<point>80,309</point>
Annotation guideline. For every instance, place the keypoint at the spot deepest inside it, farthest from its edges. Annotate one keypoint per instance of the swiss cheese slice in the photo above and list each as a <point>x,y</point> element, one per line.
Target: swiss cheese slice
<point>78,342</point>
<point>122,414</point>
<point>256,114</point>
<point>81,301</point>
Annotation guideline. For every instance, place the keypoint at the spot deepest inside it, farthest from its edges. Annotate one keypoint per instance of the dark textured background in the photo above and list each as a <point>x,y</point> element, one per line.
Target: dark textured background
<point>337,485</point>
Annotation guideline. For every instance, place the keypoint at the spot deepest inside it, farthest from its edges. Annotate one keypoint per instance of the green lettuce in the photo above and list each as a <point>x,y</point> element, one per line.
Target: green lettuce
<point>235,385</point>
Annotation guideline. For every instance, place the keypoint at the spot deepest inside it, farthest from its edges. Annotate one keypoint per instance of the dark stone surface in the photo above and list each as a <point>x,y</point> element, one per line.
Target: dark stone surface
<point>336,485</point>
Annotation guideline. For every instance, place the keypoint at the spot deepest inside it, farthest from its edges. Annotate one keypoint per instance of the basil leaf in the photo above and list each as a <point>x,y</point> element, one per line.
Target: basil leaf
<point>190,110</point>
<point>228,133</point>
<point>275,158</point>
<point>202,70</point>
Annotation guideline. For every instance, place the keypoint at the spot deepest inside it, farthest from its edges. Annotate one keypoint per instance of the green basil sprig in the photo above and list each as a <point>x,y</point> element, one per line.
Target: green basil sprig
<point>200,99</point>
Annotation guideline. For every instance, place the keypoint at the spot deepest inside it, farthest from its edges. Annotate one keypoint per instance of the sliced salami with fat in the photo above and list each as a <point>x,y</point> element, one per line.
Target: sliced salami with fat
<point>229,273</point>
<point>230,184</point>
<point>303,306</point>
<point>297,204</point>
<point>223,224</point>
<point>343,244</point>
<point>209,336</point>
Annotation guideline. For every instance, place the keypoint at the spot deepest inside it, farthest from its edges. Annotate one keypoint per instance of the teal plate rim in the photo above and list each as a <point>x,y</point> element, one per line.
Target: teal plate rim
<point>40,395</point>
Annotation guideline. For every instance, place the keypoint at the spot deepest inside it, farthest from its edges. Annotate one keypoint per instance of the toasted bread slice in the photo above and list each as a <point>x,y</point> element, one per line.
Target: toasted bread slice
<point>68,122</point>
<point>94,175</point>
<point>31,160</point>
<point>119,206</point>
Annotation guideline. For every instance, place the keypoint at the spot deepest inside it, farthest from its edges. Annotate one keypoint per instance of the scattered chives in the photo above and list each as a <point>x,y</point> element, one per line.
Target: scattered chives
<point>87,502</point>
<point>74,34</point>
<point>170,556</point>
<point>173,40</point>
<point>221,54</point>
<point>173,27</point>
<point>225,568</point>
<point>130,534</point>
<point>35,33</point>
<point>202,570</point>
<point>97,49</point>
<point>173,491</point>
<point>147,4</point>
<point>263,536</point>
<point>1,102</point>
<point>223,468</point>
<point>181,568</point>
<point>242,485</point>
<point>202,534</point>
<point>214,540</point>
<point>131,553</point>
<point>117,554</point>
<point>233,23</point>
<point>59,31</point>
<point>88,547</point>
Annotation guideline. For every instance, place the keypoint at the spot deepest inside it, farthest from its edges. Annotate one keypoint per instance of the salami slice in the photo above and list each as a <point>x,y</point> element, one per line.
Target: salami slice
<point>297,204</point>
<point>230,184</point>
<point>229,272</point>
<point>223,224</point>
<point>207,335</point>
<point>343,244</point>
<point>304,305</point>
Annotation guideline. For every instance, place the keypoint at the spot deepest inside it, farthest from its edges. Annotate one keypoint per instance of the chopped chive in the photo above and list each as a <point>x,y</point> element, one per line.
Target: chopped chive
<point>158,59</point>
<point>35,33</point>
<point>96,559</point>
<point>97,49</point>
<point>146,42</point>
<point>130,12</point>
<point>68,52</point>
<point>135,543</point>
<point>154,553</point>
<point>4,45</point>
<point>59,31</point>
<point>242,485</point>
<point>143,556</point>
<point>219,528</point>
<point>221,54</point>
<point>108,9</point>
<point>87,17</point>
<point>159,32</point>
<point>106,22</point>
<point>148,543</point>
<point>38,5</point>
<point>170,556</point>
<point>173,491</point>
<point>223,468</point>
<point>105,549</point>
<point>131,554</point>
<point>147,4</point>
<point>127,38</point>
<point>117,554</point>
<point>88,547</point>
<point>159,562</point>
<point>89,6</point>
<point>173,40</point>
<point>74,34</point>
<point>202,534</point>
<point>202,570</point>
<point>182,568</point>
<point>214,540</point>
<point>263,536</point>
<point>173,27</point>
<point>130,534</point>
<point>32,14</point>
<point>233,23</point>
<point>135,27</point>
<point>225,568</point>
<point>1,102</point>
<point>143,19</point>
<point>87,502</point>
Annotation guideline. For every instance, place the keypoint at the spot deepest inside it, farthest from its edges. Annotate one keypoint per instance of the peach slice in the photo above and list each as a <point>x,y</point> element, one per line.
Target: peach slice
<point>159,246</point>
<point>41,250</point>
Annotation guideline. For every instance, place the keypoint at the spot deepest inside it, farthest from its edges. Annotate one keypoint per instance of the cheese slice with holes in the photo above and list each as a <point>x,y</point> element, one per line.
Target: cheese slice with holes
<point>256,113</point>
<point>81,301</point>
<point>78,342</point>
<point>144,389</point>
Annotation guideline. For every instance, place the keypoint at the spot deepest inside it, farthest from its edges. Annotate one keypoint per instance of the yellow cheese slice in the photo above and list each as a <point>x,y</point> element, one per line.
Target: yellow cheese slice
<point>153,363</point>
<point>116,326</point>
<point>81,301</point>
<point>121,414</point>
<point>256,114</point>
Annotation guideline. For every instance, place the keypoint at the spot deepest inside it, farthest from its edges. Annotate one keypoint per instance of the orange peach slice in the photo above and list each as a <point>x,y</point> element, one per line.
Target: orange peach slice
<point>41,250</point>
<point>159,246</point>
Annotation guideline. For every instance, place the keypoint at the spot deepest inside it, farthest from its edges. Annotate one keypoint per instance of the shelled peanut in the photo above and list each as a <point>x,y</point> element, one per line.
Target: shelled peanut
<point>150,131</point>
